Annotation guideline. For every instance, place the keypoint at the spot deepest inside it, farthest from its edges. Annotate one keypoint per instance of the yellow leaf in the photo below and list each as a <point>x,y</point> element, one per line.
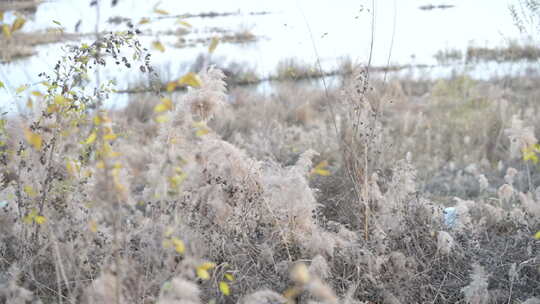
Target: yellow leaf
<point>92,225</point>
<point>91,138</point>
<point>144,21</point>
<point>6,31</point>
<point>30,191</point>
<point>113,154</point>
<point>17,24</point>
<point>165,105</point>
<point>160,108</point>
<point>171,86</point>
<point>33,139</point>
<point>40,219</point>
<point>224,288</point>
<point>177,179</point>
<point>162,118</point>
<point>167,102</point>
<point>180,248</point>
<point>202,273</point>
<point>158,46</point>
<point>21,89</point>
<point>537,235</point>
<point>37,93</point>
<point>97,120</point>
<point>207,265</point>
<point>60,100</point>
<point>530,156</point>
<point>110,136</point>
<point>72,167</point>
<point>229,277</point>
<point>184,23</point>
<point>202,132</point>
<point>320,169</point>
<point>213,44</point>
<point>52,108</point>
<point>202,129</point>
<point>190,79</point>
<point>160,11</point>
<point>1,15</point>
<point>321,172</point>
<point>29,218</point>
<point>1,85</point>
<point>179,245</point>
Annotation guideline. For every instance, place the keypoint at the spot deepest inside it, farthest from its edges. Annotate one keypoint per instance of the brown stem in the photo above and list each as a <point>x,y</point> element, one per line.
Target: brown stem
<point>46,185</point>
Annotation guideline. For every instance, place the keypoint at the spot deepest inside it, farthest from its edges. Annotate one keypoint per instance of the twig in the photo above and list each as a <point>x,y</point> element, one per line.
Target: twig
<point>391,41</point>
<point>59,264</point>
<point>439,289</point>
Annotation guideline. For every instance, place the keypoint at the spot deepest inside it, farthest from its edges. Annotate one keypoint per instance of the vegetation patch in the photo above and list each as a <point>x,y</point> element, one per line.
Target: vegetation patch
<point>512,53</point>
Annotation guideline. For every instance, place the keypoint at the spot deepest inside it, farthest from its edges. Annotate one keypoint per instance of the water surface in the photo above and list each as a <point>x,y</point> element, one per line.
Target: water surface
<point>303,29</point>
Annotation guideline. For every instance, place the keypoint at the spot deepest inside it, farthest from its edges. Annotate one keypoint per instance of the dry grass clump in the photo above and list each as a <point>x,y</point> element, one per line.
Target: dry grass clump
<point>293,69</point>
<point>8,54</point>
<point>511,53</point>
<point>448,56</point>
<point>458,106</point>
<point>279,127</point>
<point>241,36</point>
<point>26,5</point>
<point>455,132</point>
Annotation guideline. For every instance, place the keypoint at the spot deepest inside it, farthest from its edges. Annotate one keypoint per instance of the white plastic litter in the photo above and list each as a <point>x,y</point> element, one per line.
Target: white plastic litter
<point>450,217</point>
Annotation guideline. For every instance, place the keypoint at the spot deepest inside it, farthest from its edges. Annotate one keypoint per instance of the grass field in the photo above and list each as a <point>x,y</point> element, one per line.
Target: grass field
<point>376,190</point>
